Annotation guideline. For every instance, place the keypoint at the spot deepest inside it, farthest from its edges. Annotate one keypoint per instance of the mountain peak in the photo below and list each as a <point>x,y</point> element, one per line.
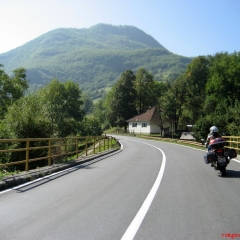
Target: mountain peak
<point>93,57</point>
<point>130,32</point>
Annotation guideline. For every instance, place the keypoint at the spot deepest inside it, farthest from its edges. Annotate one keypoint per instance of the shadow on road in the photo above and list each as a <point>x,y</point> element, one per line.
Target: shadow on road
<point>54,176</point>
<point>232,174</point>
<point>46,179</point>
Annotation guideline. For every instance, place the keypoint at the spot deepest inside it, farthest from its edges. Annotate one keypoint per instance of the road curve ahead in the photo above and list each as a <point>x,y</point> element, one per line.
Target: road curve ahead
<point>149,190</point>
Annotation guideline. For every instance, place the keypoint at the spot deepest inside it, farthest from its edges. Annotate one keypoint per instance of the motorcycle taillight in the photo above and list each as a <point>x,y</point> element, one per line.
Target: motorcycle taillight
<point>219,152</point>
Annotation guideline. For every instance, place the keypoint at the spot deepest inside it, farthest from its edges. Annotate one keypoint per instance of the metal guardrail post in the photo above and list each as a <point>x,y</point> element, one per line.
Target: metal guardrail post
<point>86,146</point>
<point>49,152</point>
<point>27,155</point>
<point>66,141</point>
<point>94,145</point>
<point>77,147</point>
<point>99,148</point>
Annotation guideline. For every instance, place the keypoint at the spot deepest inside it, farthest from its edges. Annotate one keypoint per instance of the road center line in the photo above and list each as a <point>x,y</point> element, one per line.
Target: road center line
<point>136,222</point>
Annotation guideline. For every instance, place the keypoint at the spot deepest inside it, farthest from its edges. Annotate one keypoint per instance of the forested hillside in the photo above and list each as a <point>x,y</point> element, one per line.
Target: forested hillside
<point>206,94</point>
<point>94,58</point>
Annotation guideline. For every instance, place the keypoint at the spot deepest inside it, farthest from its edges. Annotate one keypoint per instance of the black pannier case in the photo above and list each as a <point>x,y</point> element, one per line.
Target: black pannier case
<point>232,153</point>
<point>210,157</point>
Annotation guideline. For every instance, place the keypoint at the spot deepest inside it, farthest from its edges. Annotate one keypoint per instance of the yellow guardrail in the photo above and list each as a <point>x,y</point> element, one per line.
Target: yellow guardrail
<point>233,142</point>
<point>53,149</point>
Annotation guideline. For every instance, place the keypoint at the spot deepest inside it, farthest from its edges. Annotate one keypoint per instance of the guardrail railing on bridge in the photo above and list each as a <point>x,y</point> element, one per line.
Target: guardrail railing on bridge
<point>233,142</point>
<point>50,150</point>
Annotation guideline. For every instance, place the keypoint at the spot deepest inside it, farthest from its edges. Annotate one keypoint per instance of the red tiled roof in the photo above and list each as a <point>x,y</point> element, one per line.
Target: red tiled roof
<point>145,117</point>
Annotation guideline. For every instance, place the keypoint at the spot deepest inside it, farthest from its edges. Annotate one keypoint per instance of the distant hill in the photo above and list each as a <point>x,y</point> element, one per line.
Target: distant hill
<point>93,57</point>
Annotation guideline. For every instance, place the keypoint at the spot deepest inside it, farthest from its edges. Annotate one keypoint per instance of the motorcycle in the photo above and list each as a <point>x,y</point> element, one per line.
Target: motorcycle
<point>219,156</point>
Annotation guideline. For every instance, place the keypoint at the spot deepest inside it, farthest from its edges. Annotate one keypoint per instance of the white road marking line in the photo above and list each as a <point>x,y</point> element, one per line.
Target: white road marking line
<point>235,160</point>
<point>136,222</point>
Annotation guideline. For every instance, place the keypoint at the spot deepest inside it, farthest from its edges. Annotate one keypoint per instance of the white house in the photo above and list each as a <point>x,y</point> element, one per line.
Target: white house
<point>148,123</point>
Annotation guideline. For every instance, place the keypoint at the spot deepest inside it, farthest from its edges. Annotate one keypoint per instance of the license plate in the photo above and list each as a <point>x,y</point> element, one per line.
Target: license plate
<point>221,159</point>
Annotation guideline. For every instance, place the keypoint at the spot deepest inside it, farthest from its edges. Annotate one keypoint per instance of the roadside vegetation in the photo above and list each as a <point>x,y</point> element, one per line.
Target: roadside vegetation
<point>57,110</point>
<point>206,94</point>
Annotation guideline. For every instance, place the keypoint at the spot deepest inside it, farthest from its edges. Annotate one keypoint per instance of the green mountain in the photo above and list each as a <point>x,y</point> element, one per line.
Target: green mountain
<point>93,57</point>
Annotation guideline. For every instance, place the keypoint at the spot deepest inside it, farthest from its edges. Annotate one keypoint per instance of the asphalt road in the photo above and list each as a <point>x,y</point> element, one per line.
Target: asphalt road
<point>150,190</point>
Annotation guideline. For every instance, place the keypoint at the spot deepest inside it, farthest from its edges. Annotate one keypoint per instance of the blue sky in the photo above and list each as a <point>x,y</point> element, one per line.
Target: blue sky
<point>185,27</point>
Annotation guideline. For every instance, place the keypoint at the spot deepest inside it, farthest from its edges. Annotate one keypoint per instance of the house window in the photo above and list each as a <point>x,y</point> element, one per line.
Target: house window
<point>134,125</point>
<point>144,124</point>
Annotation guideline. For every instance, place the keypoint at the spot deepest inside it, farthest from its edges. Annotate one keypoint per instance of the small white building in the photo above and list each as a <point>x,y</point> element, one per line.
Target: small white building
<point>147,123</point>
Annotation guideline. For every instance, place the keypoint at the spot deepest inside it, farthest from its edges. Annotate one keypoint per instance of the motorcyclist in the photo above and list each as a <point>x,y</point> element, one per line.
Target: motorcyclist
<point>212,135</point>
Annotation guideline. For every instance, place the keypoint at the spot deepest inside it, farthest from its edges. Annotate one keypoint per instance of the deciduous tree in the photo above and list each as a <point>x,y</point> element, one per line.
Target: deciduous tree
<point>11,88</point>
<point>174,100</point>
<point>144,86</point>
<point>224,81</point>
<point>196,75</point>
<point>64,106</point>
<point>121,101</point>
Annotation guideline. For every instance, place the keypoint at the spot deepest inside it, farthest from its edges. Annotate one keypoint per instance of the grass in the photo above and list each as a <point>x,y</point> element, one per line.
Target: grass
<point>173,140</point>
<point>4,174</point>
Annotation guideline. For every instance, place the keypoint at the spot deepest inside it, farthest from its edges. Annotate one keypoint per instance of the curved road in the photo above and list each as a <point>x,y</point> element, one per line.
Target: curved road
<point>148,191</point>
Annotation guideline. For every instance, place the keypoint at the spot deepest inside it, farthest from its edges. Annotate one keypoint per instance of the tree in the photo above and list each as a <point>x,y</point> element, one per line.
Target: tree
<point>121,100</point>
<point>106,108</point>
<point>233,120</point>
<point>144,90</point>
<point>221,101</point>
<point>31,121</point>
<point>160,89</point>
<point>99,112</point>
<point>197,74</point>
<point>64,106</point>
<point>224,81</point>
<point>88,104</point>
<point>25,118</point>
<point>174,100</point>
<point>90,126</point>
<point>11,89</point>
